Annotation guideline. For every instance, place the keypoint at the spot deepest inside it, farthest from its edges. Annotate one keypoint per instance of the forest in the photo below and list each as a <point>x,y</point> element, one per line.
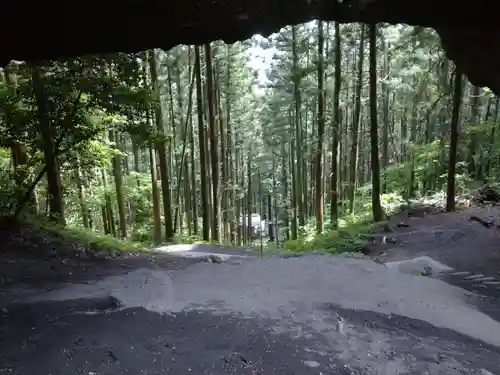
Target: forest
<point>321,129</point>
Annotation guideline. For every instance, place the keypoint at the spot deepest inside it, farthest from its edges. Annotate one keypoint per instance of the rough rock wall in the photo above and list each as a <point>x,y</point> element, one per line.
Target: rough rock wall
<point>476,53</point>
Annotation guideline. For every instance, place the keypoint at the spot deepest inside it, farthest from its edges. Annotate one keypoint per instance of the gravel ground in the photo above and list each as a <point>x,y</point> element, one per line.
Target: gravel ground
<point>303,315</point>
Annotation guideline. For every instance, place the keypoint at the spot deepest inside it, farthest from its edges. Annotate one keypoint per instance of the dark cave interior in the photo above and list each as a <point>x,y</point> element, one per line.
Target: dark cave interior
<point>55,29</point>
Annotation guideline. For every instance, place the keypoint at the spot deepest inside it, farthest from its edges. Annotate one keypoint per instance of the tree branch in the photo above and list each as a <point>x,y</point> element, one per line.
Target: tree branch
<point>57,151</point>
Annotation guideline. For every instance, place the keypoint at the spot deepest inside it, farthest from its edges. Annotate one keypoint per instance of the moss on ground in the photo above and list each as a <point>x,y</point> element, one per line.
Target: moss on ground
<point>352,234</point>
<point>92,241</point>
<point>350,238</point>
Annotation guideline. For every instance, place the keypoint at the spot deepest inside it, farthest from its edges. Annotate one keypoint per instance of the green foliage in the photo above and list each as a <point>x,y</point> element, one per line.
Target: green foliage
<point>105,113</point>
<point>9,192</point>
<point>350,238</point>
<point>353,230</point>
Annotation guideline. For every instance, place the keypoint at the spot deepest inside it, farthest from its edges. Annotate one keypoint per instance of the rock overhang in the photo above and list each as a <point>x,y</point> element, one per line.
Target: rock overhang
<point>54,29</point>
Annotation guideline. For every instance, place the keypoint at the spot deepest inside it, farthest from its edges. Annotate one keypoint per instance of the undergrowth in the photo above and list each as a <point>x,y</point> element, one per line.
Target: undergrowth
<point>90,240</point>
<point>351,235</point>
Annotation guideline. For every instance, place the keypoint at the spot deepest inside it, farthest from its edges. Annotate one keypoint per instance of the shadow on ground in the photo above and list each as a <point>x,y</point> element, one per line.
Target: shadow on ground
<point>36,339</point>
<point>58,338</point>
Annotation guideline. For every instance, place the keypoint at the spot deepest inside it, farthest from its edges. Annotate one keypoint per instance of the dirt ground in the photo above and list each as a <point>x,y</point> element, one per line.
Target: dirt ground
<point>93,336</point>
<point>456,239</point>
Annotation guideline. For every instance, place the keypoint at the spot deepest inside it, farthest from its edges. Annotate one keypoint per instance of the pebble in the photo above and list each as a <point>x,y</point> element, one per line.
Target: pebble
<point>485,279</point>
<point>459,273</point>
<point>427,271</point>
<point>478,276</point>
<point>312,364</point>
<point>492,282</point>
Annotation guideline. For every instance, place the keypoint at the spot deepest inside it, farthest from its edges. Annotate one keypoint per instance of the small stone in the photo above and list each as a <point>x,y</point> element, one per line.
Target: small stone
<point>391,239</point>
<point>474,277</point>
<point>492,282</point>
<point>459,273</point>
<point>216,258</point>
<point>431,357</point>
<point>312,364</point>
<point>4,310</point>
<point>427,271</point>
<point>115,302</point>
<point>365,250</point>
<point>443,357</point>
<point>339,324</point>
<point>488,278</point>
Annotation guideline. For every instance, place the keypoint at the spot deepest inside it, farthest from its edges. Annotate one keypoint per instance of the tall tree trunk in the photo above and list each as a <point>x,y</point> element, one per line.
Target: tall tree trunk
<point>56,203</point>
<point>385,126</point>
<point>157,237</point>
<point>203,152</point>
<point>108,203</point>
<point>81,196</point>
<point>213,146</point>
<point>161,149</point>
<point>452,161</point>
<point>492,135</point>
<point>182,161</point>
<point>472,146</point>
<point>356,123</point>
<point>194,185</point>
<point>232,172</point>
<point>299,178</point>
<point>321,134</point>
<point>336,127</point>
<point>375,166</point>
<point>120,200</point>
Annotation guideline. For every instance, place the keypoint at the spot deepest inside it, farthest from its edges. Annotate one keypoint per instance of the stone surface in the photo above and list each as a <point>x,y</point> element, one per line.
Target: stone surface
<point>419,266</point>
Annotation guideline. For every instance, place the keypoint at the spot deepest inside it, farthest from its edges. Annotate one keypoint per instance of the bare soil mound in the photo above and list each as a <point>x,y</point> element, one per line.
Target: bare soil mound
<point>32,255</point>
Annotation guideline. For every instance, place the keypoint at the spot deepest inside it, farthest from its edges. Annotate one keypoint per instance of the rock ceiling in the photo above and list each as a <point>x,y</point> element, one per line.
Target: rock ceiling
<point>56,29</point>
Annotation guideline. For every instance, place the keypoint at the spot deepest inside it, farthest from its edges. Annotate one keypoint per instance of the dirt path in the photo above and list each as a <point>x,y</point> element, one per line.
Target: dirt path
<point>469,247</point>
<point>144,314</point>
<point>451,238</point>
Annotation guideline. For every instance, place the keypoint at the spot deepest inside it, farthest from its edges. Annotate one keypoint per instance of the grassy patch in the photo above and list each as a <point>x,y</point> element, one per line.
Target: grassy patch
<point>90,240</point>
<point>349,238</point>
<point>352,233</point>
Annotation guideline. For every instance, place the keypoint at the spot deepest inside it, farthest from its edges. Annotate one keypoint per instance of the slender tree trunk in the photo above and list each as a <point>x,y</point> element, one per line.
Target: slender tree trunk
<point>161,148</point>
<point>213,146</point>
<point>335,130</point>
<point>299,178</point>
<point>375,164</point>
<point>55,200</point>
<point>455,114</point>
<point>120,199</point>
<point>202,148</point>
<point>356,123</point>
<point>321,134</point>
